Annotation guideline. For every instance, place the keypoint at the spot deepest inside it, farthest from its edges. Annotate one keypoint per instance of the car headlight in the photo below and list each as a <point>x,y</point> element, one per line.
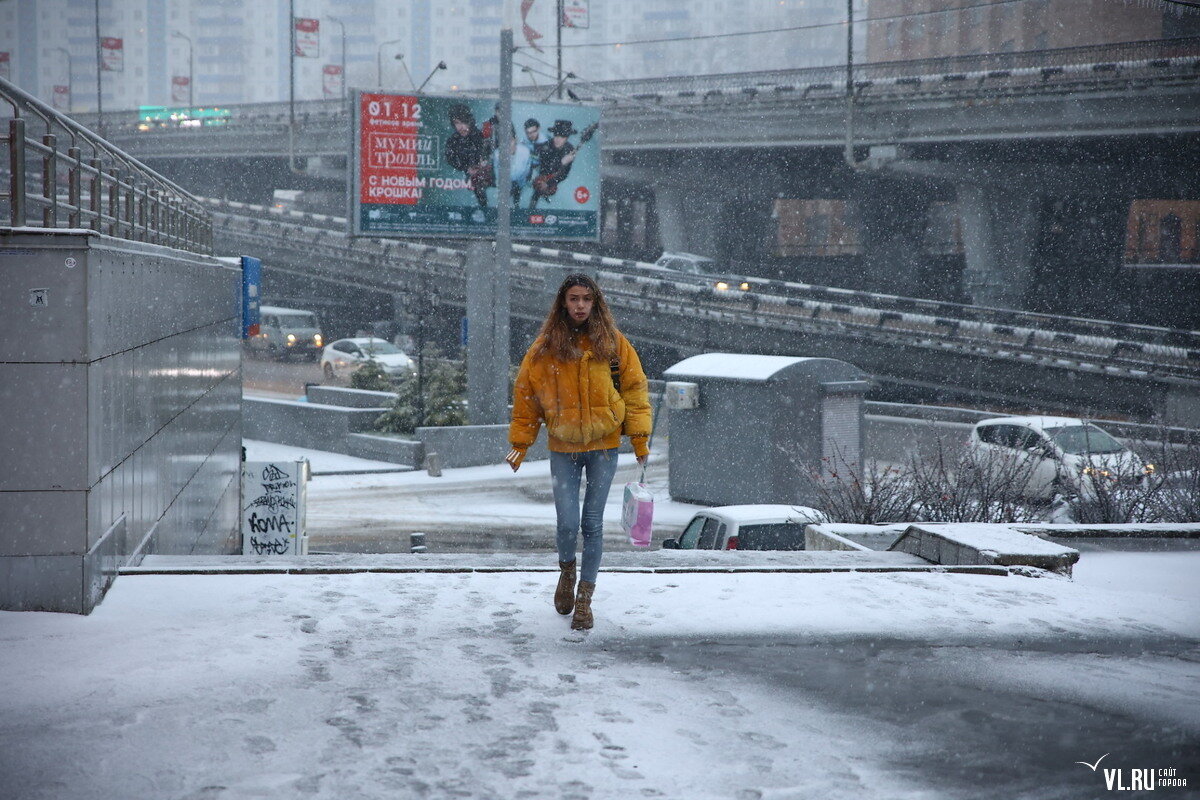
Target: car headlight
<point>744,286</point>
<point>722,286</point>
<point>317,340</point>
<point>1148,469</point>
<point>291,338</point>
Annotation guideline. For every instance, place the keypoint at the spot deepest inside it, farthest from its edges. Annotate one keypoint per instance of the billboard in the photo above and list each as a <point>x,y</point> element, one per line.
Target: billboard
<point>427,166</point>
<point>331,80</point>
<point>112,54</point>
<point>180,88</point>
<point>308,38</point>
<point>576,14</point>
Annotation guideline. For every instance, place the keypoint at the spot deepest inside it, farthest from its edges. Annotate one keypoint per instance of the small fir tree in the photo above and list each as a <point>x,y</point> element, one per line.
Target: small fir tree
<point>445,392</point>
<point>402,416</point>
<point>370,376</point>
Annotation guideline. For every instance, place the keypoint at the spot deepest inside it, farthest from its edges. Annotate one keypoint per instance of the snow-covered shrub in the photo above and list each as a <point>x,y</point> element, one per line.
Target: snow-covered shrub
<point>862,493</point>
<point>371,377</point>
<point>966,484</point>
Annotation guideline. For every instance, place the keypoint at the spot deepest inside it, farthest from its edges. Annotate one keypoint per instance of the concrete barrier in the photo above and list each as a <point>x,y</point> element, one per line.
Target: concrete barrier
<point>300,424</point>
<point>385,447</point>
<point>976,543</point>
<point>349,398</point>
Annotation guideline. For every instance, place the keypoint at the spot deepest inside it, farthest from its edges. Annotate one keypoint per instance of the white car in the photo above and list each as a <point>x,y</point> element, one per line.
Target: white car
<point>1063,455</point>
<point>702,266</point>
<point>346,355</point>
<point>747,527</point>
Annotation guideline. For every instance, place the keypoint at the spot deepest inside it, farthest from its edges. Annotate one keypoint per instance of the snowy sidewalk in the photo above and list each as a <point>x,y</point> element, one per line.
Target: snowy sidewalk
<point>761,686</point>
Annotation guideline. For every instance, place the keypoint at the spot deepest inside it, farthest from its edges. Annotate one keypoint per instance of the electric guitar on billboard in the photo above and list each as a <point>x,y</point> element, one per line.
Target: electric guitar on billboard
<point>546,183</point>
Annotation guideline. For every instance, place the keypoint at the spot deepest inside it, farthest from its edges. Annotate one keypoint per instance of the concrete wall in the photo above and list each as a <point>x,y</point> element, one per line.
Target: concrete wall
<point>313,425</point>
<point>120,391</point>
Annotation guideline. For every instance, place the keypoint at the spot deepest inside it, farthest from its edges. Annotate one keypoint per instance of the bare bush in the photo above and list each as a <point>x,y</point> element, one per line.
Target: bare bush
<point>1174,479</point>
<point>867,493</point>
<point>965,484</point>
<point>1116,493</point>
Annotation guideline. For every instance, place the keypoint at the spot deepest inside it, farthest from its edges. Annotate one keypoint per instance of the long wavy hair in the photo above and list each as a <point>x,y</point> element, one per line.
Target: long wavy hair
<point>557,331</point>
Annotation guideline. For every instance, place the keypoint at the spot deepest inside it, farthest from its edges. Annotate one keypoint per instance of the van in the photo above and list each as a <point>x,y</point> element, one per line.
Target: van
<point>286,332</point>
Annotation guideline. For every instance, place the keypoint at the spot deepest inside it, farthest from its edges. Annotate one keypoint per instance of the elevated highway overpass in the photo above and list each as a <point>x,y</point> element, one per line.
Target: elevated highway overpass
<point>969,353</point>
<point>1048,94</point>
<point>1023,145</point>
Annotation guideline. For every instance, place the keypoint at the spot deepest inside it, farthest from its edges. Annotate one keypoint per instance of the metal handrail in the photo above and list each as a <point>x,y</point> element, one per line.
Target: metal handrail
<point>105,189</point>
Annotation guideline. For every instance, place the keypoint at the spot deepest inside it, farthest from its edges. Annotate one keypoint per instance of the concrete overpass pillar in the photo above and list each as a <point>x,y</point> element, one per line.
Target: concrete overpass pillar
<point>669,201</point>
<point>689,219</point>
<point>1000,223</point>
<point>892,216</point>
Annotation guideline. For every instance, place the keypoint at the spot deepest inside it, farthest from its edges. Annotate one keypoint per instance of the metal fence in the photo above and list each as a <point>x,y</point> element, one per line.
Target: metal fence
<point>61,175</point>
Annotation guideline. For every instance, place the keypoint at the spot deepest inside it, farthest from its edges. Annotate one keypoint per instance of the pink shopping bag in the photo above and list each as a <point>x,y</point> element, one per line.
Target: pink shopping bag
<point>637,514</point>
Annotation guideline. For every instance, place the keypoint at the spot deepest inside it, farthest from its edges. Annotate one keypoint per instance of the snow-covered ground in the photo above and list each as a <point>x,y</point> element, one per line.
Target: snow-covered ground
<point>472,508</point>
<point>692,686</point>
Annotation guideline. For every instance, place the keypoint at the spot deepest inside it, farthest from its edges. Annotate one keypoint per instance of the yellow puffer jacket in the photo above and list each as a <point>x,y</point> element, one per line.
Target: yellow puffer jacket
<point>578,403</point>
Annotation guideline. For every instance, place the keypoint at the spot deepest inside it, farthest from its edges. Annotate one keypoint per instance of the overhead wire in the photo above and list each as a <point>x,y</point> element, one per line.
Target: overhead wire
<point>605,91</point>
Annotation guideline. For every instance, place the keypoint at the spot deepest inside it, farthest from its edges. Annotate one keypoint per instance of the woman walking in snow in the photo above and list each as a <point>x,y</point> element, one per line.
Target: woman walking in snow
<point>583,379</point>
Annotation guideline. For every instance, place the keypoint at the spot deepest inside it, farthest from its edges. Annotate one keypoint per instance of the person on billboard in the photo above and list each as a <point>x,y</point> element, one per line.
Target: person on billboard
<point>583,379</point>
<point>520,167</point>
<point>469,152</point>
<point>554,158</point>
<point>534,135</point>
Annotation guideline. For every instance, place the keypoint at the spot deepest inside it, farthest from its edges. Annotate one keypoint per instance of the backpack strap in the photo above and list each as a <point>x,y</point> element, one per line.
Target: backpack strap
<point>614,367</point>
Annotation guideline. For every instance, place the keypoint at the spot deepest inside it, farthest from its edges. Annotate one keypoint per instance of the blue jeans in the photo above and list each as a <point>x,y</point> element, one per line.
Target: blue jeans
<point>566,470</point>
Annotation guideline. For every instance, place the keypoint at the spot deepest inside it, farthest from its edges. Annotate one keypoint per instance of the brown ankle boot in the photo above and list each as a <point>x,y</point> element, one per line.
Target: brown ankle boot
<point>564,595</point>
<point>582,620</point>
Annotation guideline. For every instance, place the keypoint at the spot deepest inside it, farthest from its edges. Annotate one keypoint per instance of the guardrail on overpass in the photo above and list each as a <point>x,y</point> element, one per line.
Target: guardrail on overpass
<point>906,339</point>
<point>1166,62</point>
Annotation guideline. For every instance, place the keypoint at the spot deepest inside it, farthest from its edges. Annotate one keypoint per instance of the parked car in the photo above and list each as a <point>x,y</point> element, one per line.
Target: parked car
<point>1062,455</point>
<point>747,527</point>
<point>692,264</point>
<point>286,332</point>
<point>346,355</point>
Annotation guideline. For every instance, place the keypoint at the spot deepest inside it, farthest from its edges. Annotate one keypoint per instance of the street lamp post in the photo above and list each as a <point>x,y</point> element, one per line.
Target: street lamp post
<point>70,79</point>
<point>191,67</point>
<point>343,29</point>
<point>99,73</point>
<point>379,60</point>
<point>440,65</point>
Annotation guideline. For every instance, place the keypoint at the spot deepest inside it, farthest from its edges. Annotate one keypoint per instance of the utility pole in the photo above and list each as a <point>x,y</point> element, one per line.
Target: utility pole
<point>291,69</point>
<point>342,25</point>
<point>504,203</point>
<point>488,280</point>
<point>99,72</point>
<point>558,21</point>
<point>70,79</point>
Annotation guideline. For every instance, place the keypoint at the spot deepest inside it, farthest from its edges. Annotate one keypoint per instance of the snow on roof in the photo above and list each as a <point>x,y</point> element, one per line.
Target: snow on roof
<point>765,512</point>
<point>282,310</point>
<point>739,366</point>
<point>1038,423</point>
<point>994,538</point>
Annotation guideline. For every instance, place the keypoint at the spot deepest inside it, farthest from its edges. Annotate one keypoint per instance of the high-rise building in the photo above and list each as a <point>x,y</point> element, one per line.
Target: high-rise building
<point>901,30</point>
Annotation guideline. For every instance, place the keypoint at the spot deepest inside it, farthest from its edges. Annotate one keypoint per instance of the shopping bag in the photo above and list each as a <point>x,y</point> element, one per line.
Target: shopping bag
<point>637,514</point>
